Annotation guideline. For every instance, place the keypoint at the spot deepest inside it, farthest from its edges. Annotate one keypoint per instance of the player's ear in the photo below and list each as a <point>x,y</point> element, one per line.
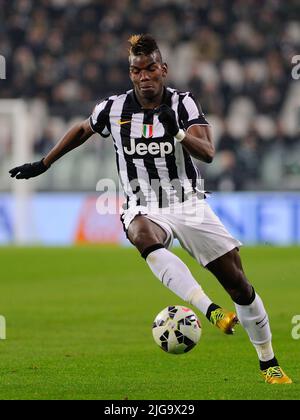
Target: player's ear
<point>164,69</point>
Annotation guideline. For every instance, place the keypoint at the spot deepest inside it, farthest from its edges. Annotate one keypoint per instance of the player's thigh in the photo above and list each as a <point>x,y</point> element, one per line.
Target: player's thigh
<point>205,243</point>
<point>143,233</point>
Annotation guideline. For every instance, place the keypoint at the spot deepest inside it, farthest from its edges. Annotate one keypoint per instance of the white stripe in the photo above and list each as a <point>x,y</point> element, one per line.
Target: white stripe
<point>158,128</point>
<point>136,129</point>
<point>191,108</point>
<point>91,126</point>
<point>205,125</point>
<point>144,181</point>
<point>180,157</point>
<point>97,111</point>
<point>178,147</point>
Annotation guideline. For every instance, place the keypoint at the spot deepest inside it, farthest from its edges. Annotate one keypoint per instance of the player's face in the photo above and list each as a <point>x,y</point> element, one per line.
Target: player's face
<point>147,74</point>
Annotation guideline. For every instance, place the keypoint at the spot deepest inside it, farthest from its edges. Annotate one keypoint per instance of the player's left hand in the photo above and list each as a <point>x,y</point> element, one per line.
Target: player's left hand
<point>167,117</point>
<point>29,170</point>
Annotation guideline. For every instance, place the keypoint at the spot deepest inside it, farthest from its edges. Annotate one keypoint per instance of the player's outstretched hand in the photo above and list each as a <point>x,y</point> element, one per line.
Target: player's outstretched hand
<point>29,170</point>
<point>167,117</point>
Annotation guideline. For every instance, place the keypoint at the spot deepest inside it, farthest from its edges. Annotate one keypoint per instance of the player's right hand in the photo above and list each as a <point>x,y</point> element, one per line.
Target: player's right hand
<point>167,117</point>
<point>29,170</point>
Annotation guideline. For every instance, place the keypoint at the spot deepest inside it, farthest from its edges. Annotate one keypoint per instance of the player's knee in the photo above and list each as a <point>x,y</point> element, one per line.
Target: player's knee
<point>143,234</point>
<point>143,239</point>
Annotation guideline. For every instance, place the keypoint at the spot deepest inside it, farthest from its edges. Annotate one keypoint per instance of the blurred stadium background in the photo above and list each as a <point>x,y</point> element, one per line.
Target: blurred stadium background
<point>63,56</point>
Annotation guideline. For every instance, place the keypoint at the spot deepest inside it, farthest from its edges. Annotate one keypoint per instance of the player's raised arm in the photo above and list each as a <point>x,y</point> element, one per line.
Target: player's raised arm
<point>75,137</point>
<point>197,139</point>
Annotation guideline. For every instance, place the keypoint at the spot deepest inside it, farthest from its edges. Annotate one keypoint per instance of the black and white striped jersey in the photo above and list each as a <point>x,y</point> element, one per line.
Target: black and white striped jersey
<point>152,166</point>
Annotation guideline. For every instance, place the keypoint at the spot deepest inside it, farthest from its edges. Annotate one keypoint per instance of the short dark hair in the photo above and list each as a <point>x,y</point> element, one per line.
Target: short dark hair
<point>143,44</point>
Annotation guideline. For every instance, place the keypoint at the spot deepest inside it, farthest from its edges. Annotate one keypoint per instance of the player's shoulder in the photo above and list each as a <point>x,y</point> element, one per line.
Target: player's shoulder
<point>113,98</point>
<point>180,93</point>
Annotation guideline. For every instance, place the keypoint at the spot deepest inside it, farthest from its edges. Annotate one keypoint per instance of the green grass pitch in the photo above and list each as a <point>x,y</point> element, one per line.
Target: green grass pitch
<point>79,327</point>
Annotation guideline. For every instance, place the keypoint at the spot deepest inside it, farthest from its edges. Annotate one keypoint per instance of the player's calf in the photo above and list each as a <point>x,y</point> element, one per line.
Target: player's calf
<point>229,272</point>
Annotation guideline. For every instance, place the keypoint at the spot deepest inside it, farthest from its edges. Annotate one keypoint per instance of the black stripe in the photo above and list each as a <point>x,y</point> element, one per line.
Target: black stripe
<point>107,109</point>
<point>174,177</point>
<point>117,154</point>
<point>183,115</point>
<point>125,130</point>
<point>253,296</point>
<point>270,363</point>
<point>167,98</point>
<point>150,249</point>
<point>152,171</point>
<point>103,118</point>
<point>172,165</point>
<point>125,206</point>
<point>171,160</point>
<point>108,106</point>
<point>190,95</point>
<point>201,119</point>
<point>190,169</point>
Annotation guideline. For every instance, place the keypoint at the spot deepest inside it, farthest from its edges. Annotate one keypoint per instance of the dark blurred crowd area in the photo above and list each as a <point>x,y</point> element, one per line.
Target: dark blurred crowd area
<point>234,55</point>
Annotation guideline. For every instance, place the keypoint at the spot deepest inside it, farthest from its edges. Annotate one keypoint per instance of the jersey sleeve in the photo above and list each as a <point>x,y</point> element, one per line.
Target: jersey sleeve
<point>191,113</point>
<point>99,120</point>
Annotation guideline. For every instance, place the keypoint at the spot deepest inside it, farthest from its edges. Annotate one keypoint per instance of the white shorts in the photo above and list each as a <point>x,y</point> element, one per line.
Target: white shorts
<point>197,228</point>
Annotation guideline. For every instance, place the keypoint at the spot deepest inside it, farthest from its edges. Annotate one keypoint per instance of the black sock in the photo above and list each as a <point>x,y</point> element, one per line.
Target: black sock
<point>270,363</point>
<point>211,308</point>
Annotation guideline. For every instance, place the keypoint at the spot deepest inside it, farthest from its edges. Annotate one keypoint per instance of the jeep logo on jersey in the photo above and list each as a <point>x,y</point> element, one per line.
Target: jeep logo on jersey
<point>147,131</point>
<point>154,148</point>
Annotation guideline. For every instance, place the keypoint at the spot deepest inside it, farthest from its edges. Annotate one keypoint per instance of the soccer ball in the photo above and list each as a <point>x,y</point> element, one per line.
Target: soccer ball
<point>176,329</point>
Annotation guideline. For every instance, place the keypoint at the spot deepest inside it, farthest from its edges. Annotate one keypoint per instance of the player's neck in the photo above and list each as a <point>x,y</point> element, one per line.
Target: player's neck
<point>150,103</point>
